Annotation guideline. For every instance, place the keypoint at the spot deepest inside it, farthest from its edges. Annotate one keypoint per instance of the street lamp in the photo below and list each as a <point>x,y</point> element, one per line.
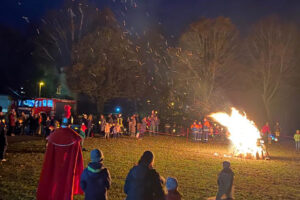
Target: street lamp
<point>40,87</point>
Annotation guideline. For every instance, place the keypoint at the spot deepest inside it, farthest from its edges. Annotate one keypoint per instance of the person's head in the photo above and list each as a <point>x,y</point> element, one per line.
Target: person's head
<point>84,116</point>
<point>90,117</point>
<point>267,123</point>
<point>277,123</point>
<point>195,122</point>
<point>226,164</point>
<point>96,155</point>
<point>120,115</point>
<point>199,122</point>
<point>147,159</point>
<point>205,119</point>
<point>171,184</point>
<point>101,116</point>
<point>298,131</point>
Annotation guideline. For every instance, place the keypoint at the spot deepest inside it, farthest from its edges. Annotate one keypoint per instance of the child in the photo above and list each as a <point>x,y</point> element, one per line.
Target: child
<point>115,131</point>
<point>172,186</point>
<point>297,140</point>
<point>95,179</point>
<point>107,130</point>
<point>225,182</point>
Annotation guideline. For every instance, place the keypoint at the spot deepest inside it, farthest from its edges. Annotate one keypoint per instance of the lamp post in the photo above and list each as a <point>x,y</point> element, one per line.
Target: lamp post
<point>40,87</point>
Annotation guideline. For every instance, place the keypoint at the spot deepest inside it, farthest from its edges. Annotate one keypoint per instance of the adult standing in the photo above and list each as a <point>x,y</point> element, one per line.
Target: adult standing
<point>266,131</point>
<point>89,125</point>
<point>102,124</point>
<point>132,125</point>
<point>3,139</point>
<point>206,129</point>
<point>152,124</point>
<point>12,118</point>
<point>143,182</point>
<point>22,120</point>
<point>157,122</point>
<point>120,123</point>
<point>277,130</point>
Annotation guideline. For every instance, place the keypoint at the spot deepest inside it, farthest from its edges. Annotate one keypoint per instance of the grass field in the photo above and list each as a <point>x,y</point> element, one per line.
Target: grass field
<point>193,164</point>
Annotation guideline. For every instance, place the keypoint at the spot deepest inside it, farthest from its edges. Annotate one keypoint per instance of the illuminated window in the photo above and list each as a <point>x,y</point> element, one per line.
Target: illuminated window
<point>36,103</point>
<point>44,103</point>
<point>40,103</point>
<point>50,103</point>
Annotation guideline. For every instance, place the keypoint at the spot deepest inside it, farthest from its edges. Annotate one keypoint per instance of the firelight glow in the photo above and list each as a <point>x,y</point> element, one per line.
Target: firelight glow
<point>243,132</point>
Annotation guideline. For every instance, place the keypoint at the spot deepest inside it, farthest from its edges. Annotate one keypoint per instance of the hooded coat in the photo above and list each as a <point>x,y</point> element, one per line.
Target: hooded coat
<point>143,183</point>
<point>63,165</point>
<point>225,183</point>
<point>95,181</point>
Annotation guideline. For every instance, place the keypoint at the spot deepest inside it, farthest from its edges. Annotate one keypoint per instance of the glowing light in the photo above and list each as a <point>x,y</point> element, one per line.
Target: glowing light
<point>41,83</point>
<point>244,135</point>
<point>117,109</point>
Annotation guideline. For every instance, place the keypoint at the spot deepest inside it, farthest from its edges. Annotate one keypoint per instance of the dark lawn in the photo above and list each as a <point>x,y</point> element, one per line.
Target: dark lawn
<point>194,165</point>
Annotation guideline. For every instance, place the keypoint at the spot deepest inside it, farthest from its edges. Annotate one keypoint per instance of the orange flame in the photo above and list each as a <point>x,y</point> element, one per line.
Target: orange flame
<point>243,132</point>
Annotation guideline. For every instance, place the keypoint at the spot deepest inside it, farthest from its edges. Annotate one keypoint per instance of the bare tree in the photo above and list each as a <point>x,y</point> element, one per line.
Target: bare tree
<point>272,47</point>
<point>205,50</point>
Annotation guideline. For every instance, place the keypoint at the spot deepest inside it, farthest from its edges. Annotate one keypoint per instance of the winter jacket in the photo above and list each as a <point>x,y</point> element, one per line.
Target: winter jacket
<point>195,128</point>
<point>143,183</point>
<point>265,129</point>
<point>206,126</point>
<point>95,181</point>
<point>297,137</point>
<point>173,195</point>
<point>225,183</point>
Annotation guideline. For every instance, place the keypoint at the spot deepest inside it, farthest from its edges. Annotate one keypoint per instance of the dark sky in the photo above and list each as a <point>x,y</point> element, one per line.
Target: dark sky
<point>174,15</point>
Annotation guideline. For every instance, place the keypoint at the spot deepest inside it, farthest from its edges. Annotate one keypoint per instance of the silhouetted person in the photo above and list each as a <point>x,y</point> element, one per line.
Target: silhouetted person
<point>143,182</point>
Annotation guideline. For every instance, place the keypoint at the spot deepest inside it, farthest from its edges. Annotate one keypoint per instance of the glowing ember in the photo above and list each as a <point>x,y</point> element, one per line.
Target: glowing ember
<point>243,132</point>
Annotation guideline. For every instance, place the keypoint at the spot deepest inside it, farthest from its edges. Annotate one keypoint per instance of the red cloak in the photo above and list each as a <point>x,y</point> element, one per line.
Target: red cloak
<point>62,168</point>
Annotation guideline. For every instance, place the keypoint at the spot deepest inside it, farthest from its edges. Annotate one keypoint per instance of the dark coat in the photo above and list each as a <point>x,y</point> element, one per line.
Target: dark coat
<point>95,181</point>
<point>143,183</point>
<point>225,183</point>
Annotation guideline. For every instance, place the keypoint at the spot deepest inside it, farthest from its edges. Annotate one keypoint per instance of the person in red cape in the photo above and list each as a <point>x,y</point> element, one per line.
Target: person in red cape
<point>62,168</point>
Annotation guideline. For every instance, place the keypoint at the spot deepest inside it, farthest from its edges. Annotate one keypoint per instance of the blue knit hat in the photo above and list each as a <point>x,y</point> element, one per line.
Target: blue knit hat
<point>171,183</point>
<point>96,155</point>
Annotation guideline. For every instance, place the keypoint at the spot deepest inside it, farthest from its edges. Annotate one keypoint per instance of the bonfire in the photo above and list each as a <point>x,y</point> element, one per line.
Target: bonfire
<point>244,135</point>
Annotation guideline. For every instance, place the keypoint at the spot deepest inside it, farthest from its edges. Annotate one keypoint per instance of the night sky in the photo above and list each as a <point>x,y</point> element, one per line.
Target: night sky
<point>174,15</point>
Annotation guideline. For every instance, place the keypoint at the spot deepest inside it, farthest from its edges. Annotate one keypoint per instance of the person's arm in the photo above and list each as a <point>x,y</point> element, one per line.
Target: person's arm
<point>107,181</point>
<point>83,180</point>
<point>127,182</point>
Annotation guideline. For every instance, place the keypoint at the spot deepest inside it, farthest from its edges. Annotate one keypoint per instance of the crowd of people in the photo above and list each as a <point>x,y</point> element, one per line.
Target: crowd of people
<point>143,182</point>
<point>114,126</point>
<point>203,130</point>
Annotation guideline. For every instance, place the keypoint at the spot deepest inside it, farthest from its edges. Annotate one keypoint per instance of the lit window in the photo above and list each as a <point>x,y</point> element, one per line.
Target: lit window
<point>50,103</point>
<point>40,103</point>
<point>45,103</point>
<point>36,103</point>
